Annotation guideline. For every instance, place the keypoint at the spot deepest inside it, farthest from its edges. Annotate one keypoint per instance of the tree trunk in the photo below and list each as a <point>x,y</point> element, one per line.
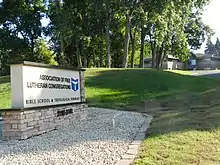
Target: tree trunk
<point>62,52</point>
<point>32,47</point>
<point>100,55</point>
<point>133,38</point>
<point>141,65</point>
<point>94,60</point>
<point>160,56</point>
<point>164,55</point>
<point>108,44</point>
<point>84,55</point>
<point>157,61</point>
<point>85,61</point>
<point>127,39</point>
<point>79,62</point>
<point>153,56</point>
<point>153,50</point>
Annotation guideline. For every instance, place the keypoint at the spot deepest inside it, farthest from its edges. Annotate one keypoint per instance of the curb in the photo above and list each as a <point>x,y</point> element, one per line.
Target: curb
<point>133,148</point>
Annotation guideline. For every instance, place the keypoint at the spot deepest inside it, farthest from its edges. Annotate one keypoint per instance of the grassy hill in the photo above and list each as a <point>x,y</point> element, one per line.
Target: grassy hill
<point>123,88</point>
<point>178,134</point>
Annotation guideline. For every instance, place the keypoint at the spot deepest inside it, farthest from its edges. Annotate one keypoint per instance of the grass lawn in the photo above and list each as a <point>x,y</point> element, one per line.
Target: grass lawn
<point>178,134</point>
<point>5,96</point>
<point>119,88</point>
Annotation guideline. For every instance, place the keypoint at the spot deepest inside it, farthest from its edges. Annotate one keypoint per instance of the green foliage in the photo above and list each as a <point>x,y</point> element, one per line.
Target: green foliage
<point>175,27</point>
<point>43,54</point>
<point>20,30</point>
<point>196,30</point>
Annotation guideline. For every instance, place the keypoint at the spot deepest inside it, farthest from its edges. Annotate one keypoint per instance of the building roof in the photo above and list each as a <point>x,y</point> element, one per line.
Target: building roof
<point>207,56</point>
<point>149,59</point>
<point>172,57</point>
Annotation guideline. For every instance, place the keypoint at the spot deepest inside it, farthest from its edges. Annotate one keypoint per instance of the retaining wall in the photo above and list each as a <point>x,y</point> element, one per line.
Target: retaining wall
<point>23,124</point>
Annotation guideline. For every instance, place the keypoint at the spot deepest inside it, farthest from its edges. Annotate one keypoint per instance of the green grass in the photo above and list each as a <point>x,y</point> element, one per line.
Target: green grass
<point>181,148</point>
<point>182,137</point>
<point>123,88</point>
<point>177,135</point>
<point>5,97</point>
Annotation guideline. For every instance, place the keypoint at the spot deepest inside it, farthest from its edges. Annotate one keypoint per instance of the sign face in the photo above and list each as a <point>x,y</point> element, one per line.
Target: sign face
<point>34,86</point>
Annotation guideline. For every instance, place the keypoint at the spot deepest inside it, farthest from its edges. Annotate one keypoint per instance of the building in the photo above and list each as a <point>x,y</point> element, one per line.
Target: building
<point>171,63</point>
<point>195,62</point>
<point>203,62</point>
<point>208,62</point>
<point>191,63</point>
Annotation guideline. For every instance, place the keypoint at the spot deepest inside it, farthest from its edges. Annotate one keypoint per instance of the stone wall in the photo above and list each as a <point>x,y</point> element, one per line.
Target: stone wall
<point>82,85</point>
<point>22,124</point>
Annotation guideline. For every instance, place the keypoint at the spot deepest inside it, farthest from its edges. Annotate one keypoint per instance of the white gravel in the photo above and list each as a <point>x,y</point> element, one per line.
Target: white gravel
<point>93,141</point>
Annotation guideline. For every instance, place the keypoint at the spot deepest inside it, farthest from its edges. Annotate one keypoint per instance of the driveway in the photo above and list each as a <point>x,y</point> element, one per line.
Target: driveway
<point>0,128</point>
<point>207,73</point>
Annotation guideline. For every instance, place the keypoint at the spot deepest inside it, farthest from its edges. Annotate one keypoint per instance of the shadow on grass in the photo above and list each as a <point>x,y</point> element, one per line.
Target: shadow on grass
<point>114,87</point>
<point>183,119</point>
<point>4,79</point>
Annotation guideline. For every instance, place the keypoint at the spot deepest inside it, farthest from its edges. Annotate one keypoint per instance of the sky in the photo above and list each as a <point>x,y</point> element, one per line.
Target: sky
<point>210,17</point>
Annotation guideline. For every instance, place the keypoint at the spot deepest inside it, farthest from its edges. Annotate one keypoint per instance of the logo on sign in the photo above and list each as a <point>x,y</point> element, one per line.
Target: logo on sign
<point>75,84</point>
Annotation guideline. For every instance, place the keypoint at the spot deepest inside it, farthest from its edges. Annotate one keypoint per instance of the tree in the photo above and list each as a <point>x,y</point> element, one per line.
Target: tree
<point>43,53</point>
<point>101,33</point>
<point>210,48</point>
<point>167,32</point>
<point>108,15</point>
<point>133,35</point>
<point>128,8</point>
<point>23,18</point>
<point>196,30</point>
<point>217,47</point>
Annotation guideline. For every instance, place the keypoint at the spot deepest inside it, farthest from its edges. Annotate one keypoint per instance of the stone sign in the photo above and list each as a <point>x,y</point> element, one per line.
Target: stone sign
<point>34,86</point>
<point>44,98</point>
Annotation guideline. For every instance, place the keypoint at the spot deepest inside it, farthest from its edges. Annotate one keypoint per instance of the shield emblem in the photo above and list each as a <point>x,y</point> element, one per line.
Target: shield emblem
<point>75,84</point>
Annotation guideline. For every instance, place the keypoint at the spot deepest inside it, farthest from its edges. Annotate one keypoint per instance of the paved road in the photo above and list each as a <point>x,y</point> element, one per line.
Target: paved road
<point>207,73</point>
<point>0,128</point>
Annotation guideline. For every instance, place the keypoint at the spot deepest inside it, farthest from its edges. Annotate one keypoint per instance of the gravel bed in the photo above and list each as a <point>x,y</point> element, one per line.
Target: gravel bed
<point>93,141</point>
